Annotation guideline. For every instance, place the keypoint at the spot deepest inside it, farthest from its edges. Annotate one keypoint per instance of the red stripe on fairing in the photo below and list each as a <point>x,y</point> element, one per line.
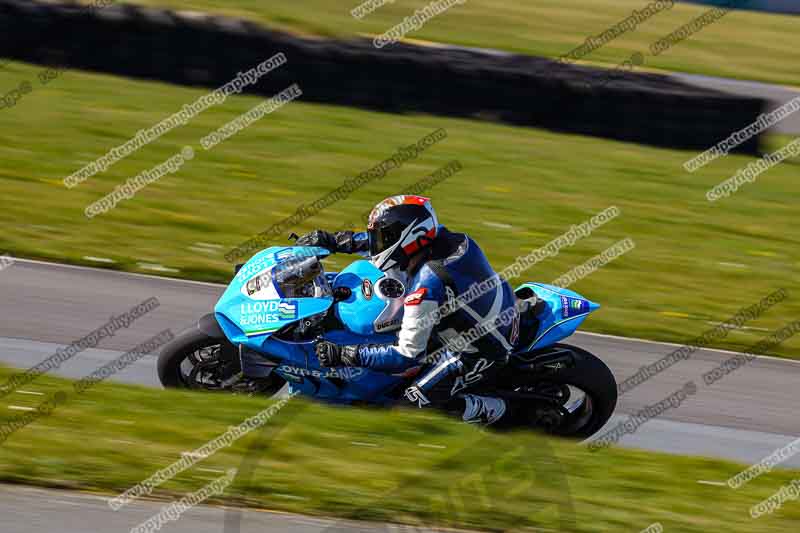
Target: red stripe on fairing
<point>414,246</point>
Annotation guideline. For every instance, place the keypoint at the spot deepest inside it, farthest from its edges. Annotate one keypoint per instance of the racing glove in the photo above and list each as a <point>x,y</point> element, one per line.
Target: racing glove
<point>320,238</point>
<point>332,354</point>
<point>341,241</point>
<point>346,242</point>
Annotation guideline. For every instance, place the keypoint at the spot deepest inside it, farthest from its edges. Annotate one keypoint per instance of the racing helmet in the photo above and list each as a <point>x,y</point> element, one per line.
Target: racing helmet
<point>399,228</point>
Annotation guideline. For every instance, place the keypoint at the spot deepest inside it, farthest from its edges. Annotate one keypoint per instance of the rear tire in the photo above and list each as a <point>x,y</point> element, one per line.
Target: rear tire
<point>591,375</point>
<point>594,377</point>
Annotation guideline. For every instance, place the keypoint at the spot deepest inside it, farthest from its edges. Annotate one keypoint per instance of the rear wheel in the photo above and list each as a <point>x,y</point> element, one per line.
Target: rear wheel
<point>575,401</point>
<point>196,360</point>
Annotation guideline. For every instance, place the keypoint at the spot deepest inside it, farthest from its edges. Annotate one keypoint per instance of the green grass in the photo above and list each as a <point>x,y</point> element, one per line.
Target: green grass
<point>744,44</point>
<point>368,464</point>
<point>694,262</point>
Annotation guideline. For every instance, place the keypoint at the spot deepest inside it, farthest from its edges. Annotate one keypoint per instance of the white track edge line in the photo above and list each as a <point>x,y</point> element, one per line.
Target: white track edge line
<point>120,272</point>
<point>662,343</point>
<point>219,285</point>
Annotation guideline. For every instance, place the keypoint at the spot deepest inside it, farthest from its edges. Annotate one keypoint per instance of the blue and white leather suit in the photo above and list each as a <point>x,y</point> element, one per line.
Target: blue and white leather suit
<point>455,349</point>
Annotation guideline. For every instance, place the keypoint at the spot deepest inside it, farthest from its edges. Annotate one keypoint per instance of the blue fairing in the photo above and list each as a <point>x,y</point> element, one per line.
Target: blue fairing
<point>360,311</point>
<point>566,310</point>
<point>249,320</point>
<point>253,309</point>
<point>299,366</point>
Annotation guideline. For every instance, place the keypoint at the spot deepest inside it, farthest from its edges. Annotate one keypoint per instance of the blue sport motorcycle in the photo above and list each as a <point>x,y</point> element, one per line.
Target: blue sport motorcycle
<point>260,339</point>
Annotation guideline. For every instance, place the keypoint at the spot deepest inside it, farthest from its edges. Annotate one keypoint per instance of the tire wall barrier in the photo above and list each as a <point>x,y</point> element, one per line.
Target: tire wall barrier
<point>791,7</point>
<point>203,50</point>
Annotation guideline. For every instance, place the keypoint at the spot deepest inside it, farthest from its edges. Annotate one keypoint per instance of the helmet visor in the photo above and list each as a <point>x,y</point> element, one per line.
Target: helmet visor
<point>382,238</point>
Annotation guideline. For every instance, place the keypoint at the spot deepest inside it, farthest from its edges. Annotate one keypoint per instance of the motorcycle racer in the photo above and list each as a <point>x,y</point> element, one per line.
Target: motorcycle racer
<point>404,238</point>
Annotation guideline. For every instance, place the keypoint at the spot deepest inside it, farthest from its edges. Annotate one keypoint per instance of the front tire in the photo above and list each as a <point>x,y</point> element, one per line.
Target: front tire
<point>196,360</point>
<point>188,347</point>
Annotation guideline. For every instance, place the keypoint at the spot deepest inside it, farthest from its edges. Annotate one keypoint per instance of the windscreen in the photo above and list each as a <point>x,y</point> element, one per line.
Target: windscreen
<point>301,279</point>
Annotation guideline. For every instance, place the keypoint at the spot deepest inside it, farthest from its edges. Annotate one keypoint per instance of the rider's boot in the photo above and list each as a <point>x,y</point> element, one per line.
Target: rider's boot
<point>483,410</point>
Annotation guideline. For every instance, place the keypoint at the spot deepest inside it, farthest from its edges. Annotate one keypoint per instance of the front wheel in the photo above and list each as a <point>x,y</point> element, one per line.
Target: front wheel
<point>196,360</point>
<point>573,401</point>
